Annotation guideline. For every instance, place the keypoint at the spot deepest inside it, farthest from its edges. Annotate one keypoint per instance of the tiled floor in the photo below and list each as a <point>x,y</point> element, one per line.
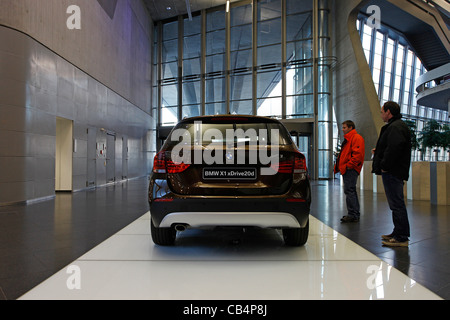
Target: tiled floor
<point>426,260</point>
<point>229,265</point>
<point>105,234</point>
<point>38,239</point>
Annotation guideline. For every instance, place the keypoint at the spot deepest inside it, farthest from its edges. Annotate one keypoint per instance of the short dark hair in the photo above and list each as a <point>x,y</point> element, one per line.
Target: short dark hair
<point>349,123</point>
<point>393,107</point>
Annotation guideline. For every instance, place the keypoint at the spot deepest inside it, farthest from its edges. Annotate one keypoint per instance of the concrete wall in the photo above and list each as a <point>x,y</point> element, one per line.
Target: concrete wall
<point>116,52</point>
<point>428,181</point>
<point>355,97</point>
<point>98,78</point>
<point>431,182</point>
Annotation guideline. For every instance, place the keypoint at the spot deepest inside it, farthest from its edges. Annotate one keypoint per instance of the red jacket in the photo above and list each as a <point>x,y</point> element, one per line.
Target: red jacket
<point>352,153</point>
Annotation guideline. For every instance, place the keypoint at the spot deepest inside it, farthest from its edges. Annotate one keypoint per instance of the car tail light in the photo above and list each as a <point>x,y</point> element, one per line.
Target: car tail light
<point>300,163</point>
<point>285,166</point>
<point>163,165</point>
<point>173,167</point>
<point>297,165</point>
<point>159,163</point>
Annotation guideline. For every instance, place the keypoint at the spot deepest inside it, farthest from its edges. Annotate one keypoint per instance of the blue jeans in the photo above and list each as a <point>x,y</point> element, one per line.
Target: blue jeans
<point>350,177</point>
<point>393,188</point>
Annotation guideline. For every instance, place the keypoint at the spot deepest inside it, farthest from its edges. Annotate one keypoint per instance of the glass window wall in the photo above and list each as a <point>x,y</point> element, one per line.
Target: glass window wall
<point>191,75</point>
<point>241,59</point>
<point>215,85</point>
<point>401,68</point>
<point>299,63</point>
<point>169,77</point>
<point>258,58</point>
<point>269,57</point>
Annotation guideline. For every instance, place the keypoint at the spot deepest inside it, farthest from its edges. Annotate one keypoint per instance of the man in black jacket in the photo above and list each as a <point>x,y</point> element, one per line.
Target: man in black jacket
<point>391,160</point>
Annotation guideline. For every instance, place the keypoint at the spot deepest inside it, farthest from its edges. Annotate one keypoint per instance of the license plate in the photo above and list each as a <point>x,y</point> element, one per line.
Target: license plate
<point>229,173</point>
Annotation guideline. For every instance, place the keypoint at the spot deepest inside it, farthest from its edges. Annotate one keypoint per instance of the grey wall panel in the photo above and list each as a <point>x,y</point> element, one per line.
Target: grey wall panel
<point>43,168</point>
<point>19,169</point>
<point>81,112</point>
<point>80,80</point>
<point>43,69</point>
<point>91,157</point>
<point>13,66</point>
<point>14,144</point>
<point>43,188</point>
<point>65,108</point>
<point>42,145</point>
<point>80,133</point>
<point>79,182</point>
<point>40,86</point>
<point>12,92</point>
<point>11,192</point>
<point>12,117</point>
<point>115,51</point>
<point>20,46</point>
<point>80,169</point>
<point>40,122</point>
<point>65,88</point>
<point>41,100</point>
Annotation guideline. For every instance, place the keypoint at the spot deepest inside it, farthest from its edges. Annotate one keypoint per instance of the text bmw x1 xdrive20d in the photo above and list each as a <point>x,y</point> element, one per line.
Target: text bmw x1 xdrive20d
<point>228,171</point>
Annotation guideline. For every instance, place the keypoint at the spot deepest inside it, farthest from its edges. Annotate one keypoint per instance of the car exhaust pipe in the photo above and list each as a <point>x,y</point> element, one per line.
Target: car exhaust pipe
<point>180,227</point>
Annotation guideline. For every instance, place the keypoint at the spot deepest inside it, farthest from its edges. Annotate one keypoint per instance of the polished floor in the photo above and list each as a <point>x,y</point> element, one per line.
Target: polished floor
<point>96,245</point>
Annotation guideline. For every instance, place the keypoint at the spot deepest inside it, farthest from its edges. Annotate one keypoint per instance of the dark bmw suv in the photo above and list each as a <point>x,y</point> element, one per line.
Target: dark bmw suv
<point>229,171</point>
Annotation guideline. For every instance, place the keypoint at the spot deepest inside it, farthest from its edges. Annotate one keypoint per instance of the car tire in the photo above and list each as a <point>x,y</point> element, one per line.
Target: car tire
<point>162,236</point>
<point>296,237</point>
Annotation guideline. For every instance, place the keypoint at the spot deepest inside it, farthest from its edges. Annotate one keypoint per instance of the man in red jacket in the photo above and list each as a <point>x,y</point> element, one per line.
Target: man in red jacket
<point>349,164</point>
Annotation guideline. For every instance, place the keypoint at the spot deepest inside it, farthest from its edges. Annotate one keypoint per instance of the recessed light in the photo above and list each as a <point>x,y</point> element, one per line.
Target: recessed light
<point>168,8</point>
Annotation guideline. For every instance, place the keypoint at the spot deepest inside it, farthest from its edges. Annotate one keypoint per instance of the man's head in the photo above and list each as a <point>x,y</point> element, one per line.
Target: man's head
<point>347,126</point>
<point>389,110</point>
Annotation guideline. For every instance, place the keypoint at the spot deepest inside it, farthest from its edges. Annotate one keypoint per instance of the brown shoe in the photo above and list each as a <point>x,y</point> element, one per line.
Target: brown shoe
<point>395,243</point>
<point>349,219</point>
<point>387,236</point>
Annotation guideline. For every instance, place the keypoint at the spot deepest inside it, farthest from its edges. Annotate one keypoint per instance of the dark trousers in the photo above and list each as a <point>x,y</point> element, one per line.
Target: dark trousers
<point>350,177</point>
<point>393,188</point>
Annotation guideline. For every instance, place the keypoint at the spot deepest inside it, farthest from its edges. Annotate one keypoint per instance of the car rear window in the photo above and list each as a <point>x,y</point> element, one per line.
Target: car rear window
<point>229,133</point>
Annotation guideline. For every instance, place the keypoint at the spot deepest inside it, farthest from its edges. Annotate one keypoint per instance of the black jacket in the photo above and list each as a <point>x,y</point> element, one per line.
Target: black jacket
<point>393,149</point>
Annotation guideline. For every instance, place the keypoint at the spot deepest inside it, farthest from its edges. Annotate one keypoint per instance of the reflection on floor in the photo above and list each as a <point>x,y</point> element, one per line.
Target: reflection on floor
<point>100,241</point>
<point>228,264</point>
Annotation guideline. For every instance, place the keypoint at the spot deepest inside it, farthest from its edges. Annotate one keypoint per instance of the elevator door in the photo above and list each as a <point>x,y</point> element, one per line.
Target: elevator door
<point>64,155</point>
<point>124,157</point>
<point>91,179</point>
<point>100,167</point>
<point>110,157</point>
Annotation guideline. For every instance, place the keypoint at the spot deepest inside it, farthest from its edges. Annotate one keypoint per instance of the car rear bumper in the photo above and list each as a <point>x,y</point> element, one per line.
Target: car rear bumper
<point>210,219</point>
<point>273,212</point>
